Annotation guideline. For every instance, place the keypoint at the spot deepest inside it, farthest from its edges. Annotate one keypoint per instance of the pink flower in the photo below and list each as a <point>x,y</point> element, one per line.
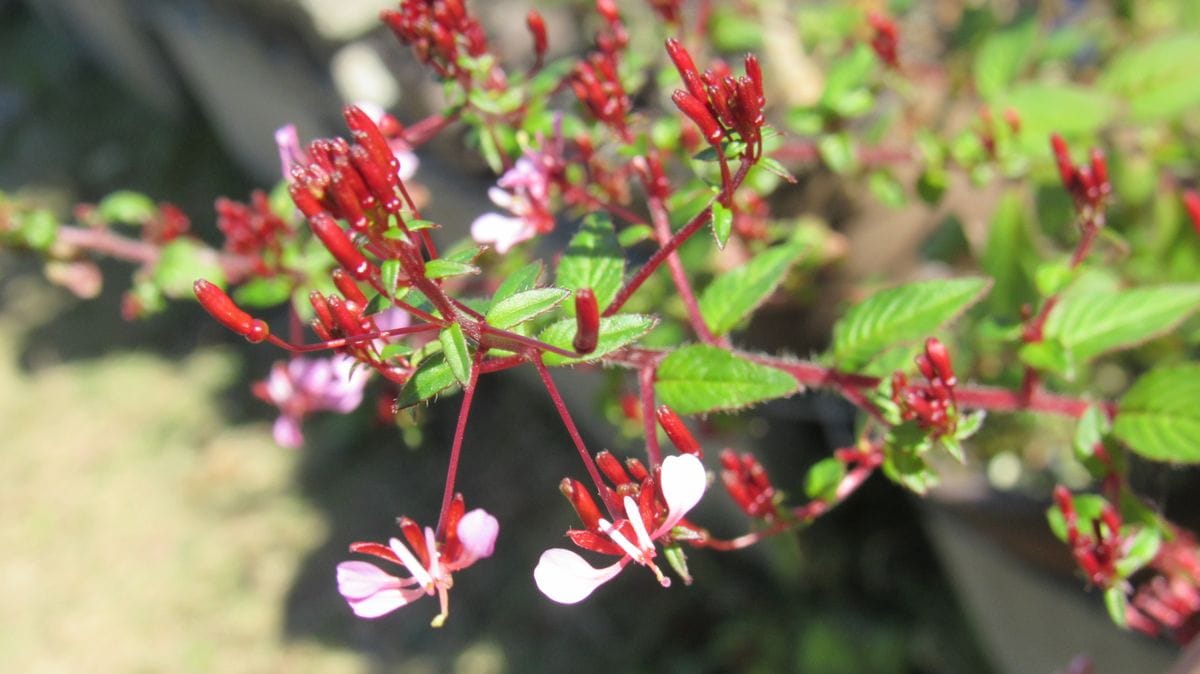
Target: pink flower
<point>430,563</point>
<point>523,191</point>
<point>305,385</point>
<point>292,155</point>
<point>567,578</point>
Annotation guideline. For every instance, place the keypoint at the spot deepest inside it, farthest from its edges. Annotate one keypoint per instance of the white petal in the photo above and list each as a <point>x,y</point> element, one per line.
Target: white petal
<point>638,524</point>
<point>567,578</point>
<point>357,580</point>
<point>477,530</point>
<point>383,602</point>
<point>502,231</point>
<point>683,483</point>
<point>410,562</point>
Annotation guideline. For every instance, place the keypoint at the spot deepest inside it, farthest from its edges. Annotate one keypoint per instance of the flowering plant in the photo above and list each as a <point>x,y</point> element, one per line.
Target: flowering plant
<point>634,168</point>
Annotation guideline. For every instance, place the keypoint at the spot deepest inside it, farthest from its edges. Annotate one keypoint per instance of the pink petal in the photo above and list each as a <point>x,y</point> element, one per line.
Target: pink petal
<point>290,154</point>
<point>357,580</point>
<point>502,231</point>
<point>383,602</point>
<point>567,578</point>
<point>286,432</point>
<point>477,531</point>
<point>683,483</point>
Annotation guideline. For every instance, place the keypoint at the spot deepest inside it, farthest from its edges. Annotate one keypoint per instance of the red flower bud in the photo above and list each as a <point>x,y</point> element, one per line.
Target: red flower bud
<point>608,464</point>
<point>939,358</point>
<point>340,246</point>
<point>581,500</point>
<point>221,307</point>
<point>368,135</point>
<point>322,310</point>
<point>679,434</point>
<point>348,287</point>
<point>1062,156</point>
<point>1013,119</point>
<point>1100,171</point>
<point>587,321</point>
<point>1191,202</point>
<point>537,28</point>
<point>687,69</point>
<point>754,72</point>
<point>699,114</point>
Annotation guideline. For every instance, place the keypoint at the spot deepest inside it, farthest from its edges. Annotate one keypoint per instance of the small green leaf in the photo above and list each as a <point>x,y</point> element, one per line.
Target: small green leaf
<point>593,259</point>
<point>733,295</point>
<point>1007,245</point>
<point>1117,604</point>
<point>1159,417</point>
<point>443,268</point>
<point>847,73</point>
<point>615,332</point>
<point>931,184</point>
<point>701,378</point>
<point>635,234</point>
<point>839,152</point>
<point>389,273</point>
<point>395,350</point>
<point>903,314</point>
<point>1089,431</point>
<point>1092,323</point>
<point>1156,79</point>
<point>1051,278</point>
<point>1140,551</point>
<point>264,291</point>
<point>1048,355</point>
<point>37,229</point>
<point>431,378</point>
<point>823,479</point>
<point>183,261</point>
<point>525,278</point>
<point>886,188</point>
<point>457,355</point>
<point>969,424</point>
<point>722,223</point>
<point>127,207</point>
<point>523,306</point>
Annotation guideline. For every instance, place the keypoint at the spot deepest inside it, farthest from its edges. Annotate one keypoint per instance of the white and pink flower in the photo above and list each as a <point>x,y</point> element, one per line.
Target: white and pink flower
<point>430,563</point>
<point>301,386</point>
<point>567,578</point>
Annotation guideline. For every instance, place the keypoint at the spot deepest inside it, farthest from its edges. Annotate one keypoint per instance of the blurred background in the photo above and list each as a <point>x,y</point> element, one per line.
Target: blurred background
<point>151,525</point>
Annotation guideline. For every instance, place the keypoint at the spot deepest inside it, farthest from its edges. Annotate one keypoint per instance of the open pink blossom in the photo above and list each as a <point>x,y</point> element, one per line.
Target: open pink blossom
<point>305,385</point>
<point>523,191</point>
<point>567,578</point>
<point>372,592</point>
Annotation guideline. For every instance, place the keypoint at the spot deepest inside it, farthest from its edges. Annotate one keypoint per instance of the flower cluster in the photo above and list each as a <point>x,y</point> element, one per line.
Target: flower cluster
<point>1170,600</point>
<point>932,405</point>
<point>886,39</point>
<point>250,229</point>
<point>719,104</point>
<point>302,386</point>
<point>1088,185</point>
<point>749,485</point>
<point>645,508</point>
<point>1098,551</point>
<point>440,32</point>
<point>430,559</point>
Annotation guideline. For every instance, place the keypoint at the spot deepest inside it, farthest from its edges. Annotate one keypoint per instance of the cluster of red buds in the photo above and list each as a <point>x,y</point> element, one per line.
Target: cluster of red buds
<point>250,229</point>
<point>1098,551</point>
<point>1170,601</point>
<point>932,405</point>
<point>886,39</point>
<point>168,224</point>
<point>749,485</point>
<point>669,10</point>
<point>718,103</point>
<point>1088,185</point>
<point>440,32</point>
<point>597,84</point>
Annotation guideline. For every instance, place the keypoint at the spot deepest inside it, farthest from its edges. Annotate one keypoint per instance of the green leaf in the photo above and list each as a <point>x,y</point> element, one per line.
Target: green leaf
<point>458,356</point>
<point>1007,244</point>
<point>389,273</point>
<point>127,207</point>
<point>1048,355</point>
<point>593,259</point>
<point>615,332</point>
<point>701,378</point>
<point>1159,417</point>
<point>635,234</point>
<point>431,378</point>
<point>886,188</point>
<point>183,261</point>
<point>442,268</point>
<point>1141,549</point>
<point>823,479</point>
<point>1072,110</point>
<point>523,306</point>
<point>1092,323</point>
<point>1157,79</point>
<point>525,278</point>
<point>1117,604</point>
<point>264,291</point>
<point>1002,57</point>
<point>37,229</point>
<point>847,74</point>
<point>735,294</point>
<point>903,314</point>
<point>839,152</point>
<point>722,223</point>
<point>1089,431</point>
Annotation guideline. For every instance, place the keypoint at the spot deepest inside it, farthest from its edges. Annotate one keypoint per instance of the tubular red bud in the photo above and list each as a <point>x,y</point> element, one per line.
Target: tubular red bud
<point>1062,156</point>
<point>221,307</point>
<point>1100,170</point>
<point>581,501</point>
<point>1013,118</point>
<point>687,68</point>
<point>636,469</point>
<point>344,316</point>
<point>608,10</point>
<point>754,72</point>
<point>322,310</point>
<point>1191,202</point>
<point>369,136</point>
<point>348,287</point>
<point>587,321</point>
<point>380,179</point>
<point>305,199</point>
<point>677,431</point>
<point>699,114</point>
<point>340,246</point>
<point>939,358</point>
<point>537,28</point>
<point>608,464</point>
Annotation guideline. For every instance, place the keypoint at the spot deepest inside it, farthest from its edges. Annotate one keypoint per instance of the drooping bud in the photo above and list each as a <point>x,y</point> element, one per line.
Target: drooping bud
<point>699,114</point>
<point>221,307</point>
<point>581,500</point>
<point>678,432</point>
<point>587,321</point>
<point>340,246</point>
<point>348,287</point>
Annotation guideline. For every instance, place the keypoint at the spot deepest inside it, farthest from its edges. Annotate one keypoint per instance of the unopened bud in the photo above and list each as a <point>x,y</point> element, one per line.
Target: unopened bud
<point>581,500</point>
<point>699,114</point>
<point>1191,202</point>
<point>537,28</point>
<point>677,431</point>
<point>611,467</point>
<point>221,307</point>
<point>338,243</point>
<point>587,321</point>
<point>348,287</point>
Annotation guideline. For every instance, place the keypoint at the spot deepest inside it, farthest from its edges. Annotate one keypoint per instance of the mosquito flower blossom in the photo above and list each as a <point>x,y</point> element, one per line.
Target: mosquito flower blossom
<point>305,385</point>
<point>523,191</point>
<point>567,578</point>
<point>428,560</point>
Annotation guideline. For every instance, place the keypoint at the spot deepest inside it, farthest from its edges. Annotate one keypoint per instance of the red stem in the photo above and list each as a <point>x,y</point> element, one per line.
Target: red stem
<point>456,448</point>
<point>646,391</point>
<point>662,232</point>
